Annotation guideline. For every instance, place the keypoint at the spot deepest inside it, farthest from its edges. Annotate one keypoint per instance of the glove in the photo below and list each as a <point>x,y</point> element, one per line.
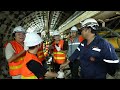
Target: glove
<point>60,74</point>
<point>25,47</point>
<point>58,48</point>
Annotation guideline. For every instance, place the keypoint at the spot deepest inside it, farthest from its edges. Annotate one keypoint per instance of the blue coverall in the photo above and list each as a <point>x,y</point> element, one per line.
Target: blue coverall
<point>106,60</point>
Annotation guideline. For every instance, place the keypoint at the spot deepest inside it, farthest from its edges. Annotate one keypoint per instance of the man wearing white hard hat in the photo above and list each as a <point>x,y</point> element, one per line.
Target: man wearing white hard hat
<point>73,42</point>
<point>32,67</point>
<point>97,56</point>
<point>14,52</point>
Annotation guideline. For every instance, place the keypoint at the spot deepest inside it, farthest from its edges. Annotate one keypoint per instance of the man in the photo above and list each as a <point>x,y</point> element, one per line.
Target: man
<point>58,48</point>
<point>14,52</point>
<point>32,67</point>
<point>73,43</point>
<point>97,56</point>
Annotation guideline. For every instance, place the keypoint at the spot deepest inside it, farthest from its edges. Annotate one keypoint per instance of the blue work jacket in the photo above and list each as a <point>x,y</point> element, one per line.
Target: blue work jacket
<point>104,55</point>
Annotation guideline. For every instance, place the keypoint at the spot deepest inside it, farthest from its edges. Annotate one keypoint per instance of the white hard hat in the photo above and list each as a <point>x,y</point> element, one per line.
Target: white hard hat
<point>18,29</point>
<point>74,29</point>
<point>56,33</point>
<point>32,39</point>
<point>90,22</point>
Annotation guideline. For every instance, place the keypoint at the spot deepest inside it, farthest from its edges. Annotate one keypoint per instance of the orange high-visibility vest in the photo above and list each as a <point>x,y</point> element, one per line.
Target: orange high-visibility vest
<point>80,38</point>
<point>59,57</point>
<point>15,66</point>
<point>40,54</point>
<point>25,72</point>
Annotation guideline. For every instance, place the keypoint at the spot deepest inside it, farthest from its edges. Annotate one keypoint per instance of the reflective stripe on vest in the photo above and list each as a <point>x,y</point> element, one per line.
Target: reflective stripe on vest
<point>59,57</point>
<point>30,77</point>
<point>77,43</point>
<point>39,52</point>
<point>40,55</point>
<point>19,59</point>
<point>15,67</point>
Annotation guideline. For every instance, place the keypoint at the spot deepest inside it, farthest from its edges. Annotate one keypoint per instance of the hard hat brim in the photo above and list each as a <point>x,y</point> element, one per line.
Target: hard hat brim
<point>19,31</point>
<point>73,31</point>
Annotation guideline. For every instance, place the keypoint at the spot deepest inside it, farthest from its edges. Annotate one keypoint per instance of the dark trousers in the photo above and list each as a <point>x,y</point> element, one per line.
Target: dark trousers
<point>101,76</point>
<point>74,66</point>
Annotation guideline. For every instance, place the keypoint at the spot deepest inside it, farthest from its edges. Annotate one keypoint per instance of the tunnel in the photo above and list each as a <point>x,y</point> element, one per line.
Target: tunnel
<point>46,22</point>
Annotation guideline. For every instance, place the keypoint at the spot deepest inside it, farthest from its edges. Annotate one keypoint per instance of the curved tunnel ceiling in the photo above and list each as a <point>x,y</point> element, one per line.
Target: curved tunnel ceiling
<point>30,20</point>
<point>47,21</point>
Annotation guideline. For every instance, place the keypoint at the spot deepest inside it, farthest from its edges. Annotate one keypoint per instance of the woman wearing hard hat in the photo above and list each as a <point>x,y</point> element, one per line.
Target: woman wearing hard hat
<point>14,52</point>
<point>32,67</point>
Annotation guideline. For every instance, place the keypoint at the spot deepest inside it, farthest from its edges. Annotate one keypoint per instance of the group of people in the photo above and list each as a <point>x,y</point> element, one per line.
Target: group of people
<point>25,56</point>
<point>95,56</point>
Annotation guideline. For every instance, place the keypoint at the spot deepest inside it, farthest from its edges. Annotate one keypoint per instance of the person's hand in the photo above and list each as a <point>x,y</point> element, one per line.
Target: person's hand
<point>60,74</point>
<point>51,74</point>
<point>25,48</point>
<point>62,66</point>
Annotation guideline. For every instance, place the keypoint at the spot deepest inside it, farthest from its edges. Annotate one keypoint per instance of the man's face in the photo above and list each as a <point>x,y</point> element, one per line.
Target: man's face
<point>73,34</point>
<point>84,32</point>
<point>19,36</point>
